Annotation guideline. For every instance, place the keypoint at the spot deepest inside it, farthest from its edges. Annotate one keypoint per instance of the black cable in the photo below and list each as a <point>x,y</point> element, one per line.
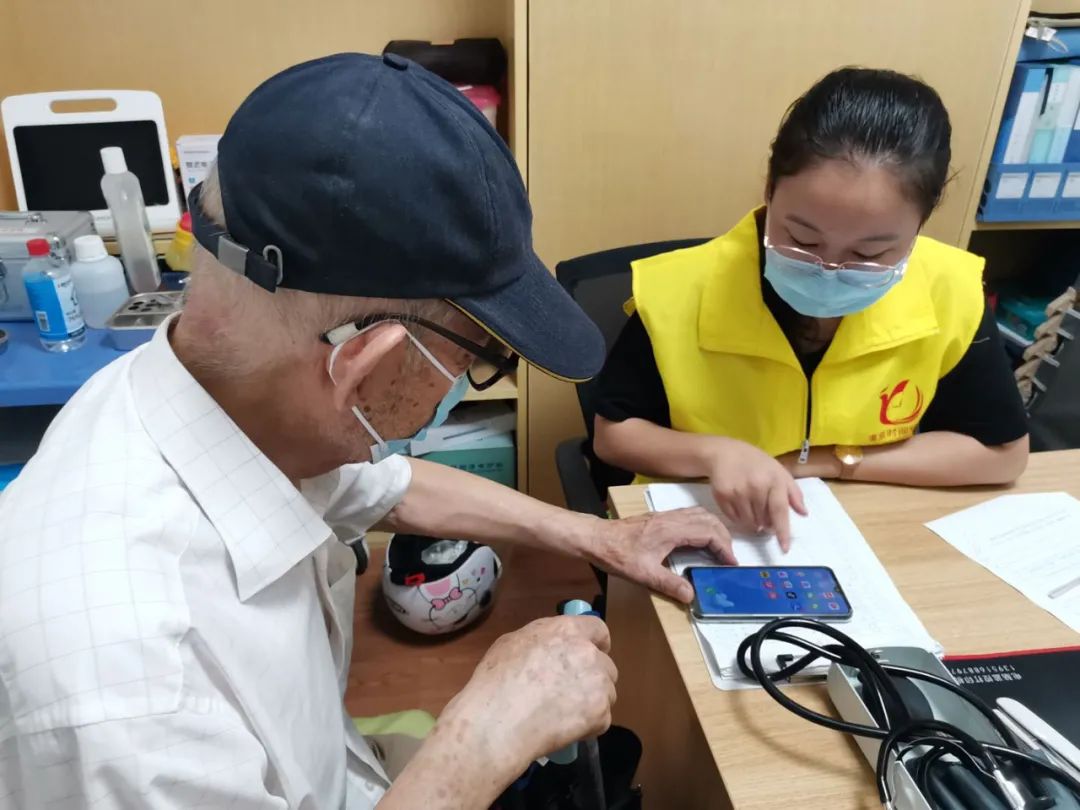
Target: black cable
<point>960,744</point>
<point>980,763</point>
<point>940,794</point>
<point>927,780</point>
<point>921,773</point>
<point>837,654</point>
<point>1056,795</point>
<point>985,793</point>
<point>974,700</point>
<point>933,784</point>
<point>1060,774</point>
<point>848,652</point>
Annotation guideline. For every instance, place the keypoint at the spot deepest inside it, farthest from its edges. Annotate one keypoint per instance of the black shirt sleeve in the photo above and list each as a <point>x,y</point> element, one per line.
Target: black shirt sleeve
<point>979,397</point>
<point>630,386</point>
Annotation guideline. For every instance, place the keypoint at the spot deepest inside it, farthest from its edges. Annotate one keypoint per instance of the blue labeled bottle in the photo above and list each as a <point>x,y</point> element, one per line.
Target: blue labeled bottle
<point>51,291</point>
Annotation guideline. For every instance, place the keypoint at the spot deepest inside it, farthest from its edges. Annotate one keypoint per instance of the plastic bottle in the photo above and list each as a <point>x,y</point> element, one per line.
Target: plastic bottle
<point>123,195</point>
<point>99,280</point>
<point>178,256</point>
<point>51,290</point>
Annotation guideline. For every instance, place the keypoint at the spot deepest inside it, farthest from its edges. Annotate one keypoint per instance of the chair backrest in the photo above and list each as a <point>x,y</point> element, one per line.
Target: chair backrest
<point>600,284</point>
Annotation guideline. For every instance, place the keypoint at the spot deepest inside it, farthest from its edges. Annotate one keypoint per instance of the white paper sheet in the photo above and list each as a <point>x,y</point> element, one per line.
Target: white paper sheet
<point>828,536</point>
<point>1030,541</point>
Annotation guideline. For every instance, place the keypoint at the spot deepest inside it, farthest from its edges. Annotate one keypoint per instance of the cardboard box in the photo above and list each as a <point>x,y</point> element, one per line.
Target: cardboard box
<point>491,457</point>
<point>467,423</point>
<point>196,154</point>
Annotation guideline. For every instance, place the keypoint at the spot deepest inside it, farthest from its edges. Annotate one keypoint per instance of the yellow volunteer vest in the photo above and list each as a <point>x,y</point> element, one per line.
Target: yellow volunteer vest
<point>728,370</point>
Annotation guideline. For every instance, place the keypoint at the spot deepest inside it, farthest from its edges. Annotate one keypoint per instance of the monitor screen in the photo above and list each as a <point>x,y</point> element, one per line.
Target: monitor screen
<point>61,163</point>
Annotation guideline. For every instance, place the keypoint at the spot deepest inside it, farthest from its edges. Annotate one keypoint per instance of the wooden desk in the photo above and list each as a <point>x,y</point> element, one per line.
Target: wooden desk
<point>705,748</point>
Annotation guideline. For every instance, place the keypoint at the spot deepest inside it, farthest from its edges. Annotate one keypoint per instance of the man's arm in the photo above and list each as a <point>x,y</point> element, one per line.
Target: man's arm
<point>444,502</point>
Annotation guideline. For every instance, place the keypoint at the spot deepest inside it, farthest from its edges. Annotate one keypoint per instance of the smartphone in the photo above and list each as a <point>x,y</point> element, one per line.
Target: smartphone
<point>730,593</point>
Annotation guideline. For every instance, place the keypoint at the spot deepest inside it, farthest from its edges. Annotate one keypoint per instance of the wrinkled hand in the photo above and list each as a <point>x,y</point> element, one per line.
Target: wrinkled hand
<point>636,548</point>
<point>536,690</point>
<point>754,490</point>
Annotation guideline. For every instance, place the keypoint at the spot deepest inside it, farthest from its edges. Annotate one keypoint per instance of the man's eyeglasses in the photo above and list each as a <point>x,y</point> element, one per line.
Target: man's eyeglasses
<point>501,360</point>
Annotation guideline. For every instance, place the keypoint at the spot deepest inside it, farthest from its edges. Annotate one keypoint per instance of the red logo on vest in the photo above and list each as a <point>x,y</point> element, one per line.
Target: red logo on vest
<point>894,404</point>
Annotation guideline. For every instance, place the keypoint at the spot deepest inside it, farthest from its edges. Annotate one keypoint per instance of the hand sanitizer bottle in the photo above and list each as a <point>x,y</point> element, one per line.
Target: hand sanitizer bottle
<point>123,195</point>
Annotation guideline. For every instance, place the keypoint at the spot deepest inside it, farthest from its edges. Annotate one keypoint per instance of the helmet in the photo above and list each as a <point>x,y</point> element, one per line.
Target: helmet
<point>438,586</point>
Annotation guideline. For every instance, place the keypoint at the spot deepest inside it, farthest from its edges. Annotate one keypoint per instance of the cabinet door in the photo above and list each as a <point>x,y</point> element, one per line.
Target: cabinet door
<point>652,121</point>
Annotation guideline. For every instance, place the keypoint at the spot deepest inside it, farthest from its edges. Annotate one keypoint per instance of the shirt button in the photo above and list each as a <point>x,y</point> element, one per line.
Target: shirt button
<point>395,61</point>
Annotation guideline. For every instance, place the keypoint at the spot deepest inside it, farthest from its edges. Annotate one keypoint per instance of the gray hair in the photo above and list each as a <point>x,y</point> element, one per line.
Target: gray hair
<point>278,322</point>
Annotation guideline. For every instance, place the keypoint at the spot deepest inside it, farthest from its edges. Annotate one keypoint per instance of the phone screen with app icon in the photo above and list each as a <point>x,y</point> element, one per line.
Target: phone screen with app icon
<point>736,592</point>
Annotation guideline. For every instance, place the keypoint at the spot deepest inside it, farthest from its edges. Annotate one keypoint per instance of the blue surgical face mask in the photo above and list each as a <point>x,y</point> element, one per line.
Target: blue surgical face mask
<point>812,290</point>
<point>384,448</point>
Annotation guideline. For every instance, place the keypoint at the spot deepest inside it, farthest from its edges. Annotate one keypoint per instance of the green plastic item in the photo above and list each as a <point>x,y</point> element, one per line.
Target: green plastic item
<point>411,723</point>
<point>1022,313</point>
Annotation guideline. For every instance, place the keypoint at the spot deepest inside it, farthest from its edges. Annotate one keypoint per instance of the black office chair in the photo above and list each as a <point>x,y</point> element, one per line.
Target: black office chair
<point>1049,379</point>
<point>600,284</point>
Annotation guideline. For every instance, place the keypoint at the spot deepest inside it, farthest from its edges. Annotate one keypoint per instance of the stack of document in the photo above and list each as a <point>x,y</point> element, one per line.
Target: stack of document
<point>880,616</point>
<point>1030,541</point>
<point>466,425</point>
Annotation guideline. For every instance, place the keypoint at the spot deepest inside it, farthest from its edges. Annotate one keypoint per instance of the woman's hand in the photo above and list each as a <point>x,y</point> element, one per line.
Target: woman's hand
<point>753,489</point>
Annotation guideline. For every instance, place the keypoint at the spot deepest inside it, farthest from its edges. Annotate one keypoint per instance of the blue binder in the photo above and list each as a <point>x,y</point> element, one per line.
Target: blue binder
<point>1072,147</point>
<point>1066,121</point>
<point>1021,110</point>
<point>1031,192</point>
<point>1049,111</point>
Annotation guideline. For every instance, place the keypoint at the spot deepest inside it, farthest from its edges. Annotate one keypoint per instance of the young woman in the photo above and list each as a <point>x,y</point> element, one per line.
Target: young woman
<point>821,336</point>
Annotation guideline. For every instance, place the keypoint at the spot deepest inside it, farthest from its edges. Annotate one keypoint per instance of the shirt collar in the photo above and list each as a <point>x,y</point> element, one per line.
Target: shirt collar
<point>903,314</point>
<point>265,522</point>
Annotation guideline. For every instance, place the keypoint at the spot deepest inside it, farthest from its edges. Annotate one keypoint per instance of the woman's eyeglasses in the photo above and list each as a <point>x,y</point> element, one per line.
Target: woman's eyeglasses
<point>856,274</point>
<point>498,359</point>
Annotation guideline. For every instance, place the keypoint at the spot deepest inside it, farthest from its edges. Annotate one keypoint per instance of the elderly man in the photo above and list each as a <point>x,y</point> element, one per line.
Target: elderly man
<point>175,609</point>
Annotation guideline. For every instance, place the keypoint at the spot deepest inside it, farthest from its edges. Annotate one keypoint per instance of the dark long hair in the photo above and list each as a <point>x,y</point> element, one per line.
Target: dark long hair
<point>876,116</point>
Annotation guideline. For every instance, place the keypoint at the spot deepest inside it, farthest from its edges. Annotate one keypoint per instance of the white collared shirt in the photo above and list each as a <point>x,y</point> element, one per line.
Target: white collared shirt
<point>175,616</point>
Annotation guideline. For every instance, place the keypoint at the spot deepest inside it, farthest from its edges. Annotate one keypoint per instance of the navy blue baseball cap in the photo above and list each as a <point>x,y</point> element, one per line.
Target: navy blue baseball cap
<point>369,176</point>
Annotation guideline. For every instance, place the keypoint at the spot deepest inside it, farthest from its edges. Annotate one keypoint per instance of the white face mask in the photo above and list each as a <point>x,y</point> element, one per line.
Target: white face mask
<point>384,448</point>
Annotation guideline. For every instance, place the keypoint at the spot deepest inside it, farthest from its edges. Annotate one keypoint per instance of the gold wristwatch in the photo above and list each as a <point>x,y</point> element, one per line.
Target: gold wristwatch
<point>850,456</point>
